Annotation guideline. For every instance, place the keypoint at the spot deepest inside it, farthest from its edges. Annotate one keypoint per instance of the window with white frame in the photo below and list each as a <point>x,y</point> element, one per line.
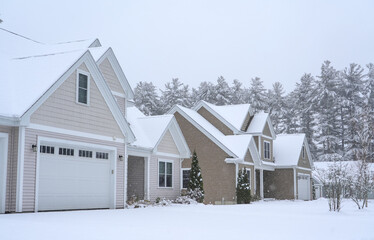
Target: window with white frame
<point>82,88</point>
<point>47,149</point>
<point>248,171</point>
<point>165,173</point>
<point>266,150</point>
<point>185,177</point>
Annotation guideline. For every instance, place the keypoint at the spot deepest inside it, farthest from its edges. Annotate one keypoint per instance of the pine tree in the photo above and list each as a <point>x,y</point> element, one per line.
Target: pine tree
<point>243,188</point>
<point>223,92</point>
<point>276,106</point>
<point>146,98</point>
<point>206,92</point>
<point>238,94</point>
<point>195,185</point>
<point>256,95</point>
<point>175,93</point>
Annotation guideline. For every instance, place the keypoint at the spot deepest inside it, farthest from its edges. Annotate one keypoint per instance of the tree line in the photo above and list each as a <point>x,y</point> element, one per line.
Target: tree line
<point>332,109</point>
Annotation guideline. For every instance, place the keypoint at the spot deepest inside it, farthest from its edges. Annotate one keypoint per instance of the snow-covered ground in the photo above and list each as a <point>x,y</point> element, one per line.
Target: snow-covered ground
<point>260,220</point>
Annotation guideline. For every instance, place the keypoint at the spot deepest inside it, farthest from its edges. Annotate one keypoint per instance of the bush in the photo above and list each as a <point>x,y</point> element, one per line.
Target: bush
<point>243,190</point>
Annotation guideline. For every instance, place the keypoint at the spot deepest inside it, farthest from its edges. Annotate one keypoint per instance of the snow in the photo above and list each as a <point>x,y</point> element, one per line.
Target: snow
<point>287,149</point>
<point>148,130</point>
<point>350,164</point>
<point>260,220</point>
<point>258,122</point>
<point>234,114</point>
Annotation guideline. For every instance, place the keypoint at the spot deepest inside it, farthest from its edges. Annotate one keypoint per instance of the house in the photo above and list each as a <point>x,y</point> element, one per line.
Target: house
<point>64,137</point>
<point>229,138</point>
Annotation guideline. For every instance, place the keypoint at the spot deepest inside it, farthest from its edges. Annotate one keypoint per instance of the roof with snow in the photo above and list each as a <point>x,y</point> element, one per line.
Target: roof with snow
<point>235,145</point>
<point>258,122</point>
<point>147,135</point>
<point>234,114</point>
<point>287,149</point>
<point>30,68</point>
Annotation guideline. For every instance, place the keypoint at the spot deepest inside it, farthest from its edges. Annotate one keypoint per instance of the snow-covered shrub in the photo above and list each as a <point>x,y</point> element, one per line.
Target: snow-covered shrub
<point>162,202</point>
<point>185,200</point>
<point>243,189</point>
<point>195,188</point>
<point>335,180</point>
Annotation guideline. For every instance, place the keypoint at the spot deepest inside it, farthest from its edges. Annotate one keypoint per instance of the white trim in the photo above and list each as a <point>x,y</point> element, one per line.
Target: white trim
<point>113,159</point>
<point>4,139</point>
<point>75,133</point>
<point>294,183</point>
<point>125,175</point>
<point>139,152</point>
<point>181,176</point>
<point>172,172</point>
<point>261,183</point>
<point>118,94</point>
<point>293,166</point>
<point>148,177</point>
<point>260,146</point>
<point>162,154</point>
<point>20,168</point>
<point>88,75</point>
<point>9,121</point>
<point>236,174</point>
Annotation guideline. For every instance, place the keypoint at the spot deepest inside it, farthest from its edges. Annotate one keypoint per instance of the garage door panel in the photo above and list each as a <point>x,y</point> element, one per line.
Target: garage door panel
<point>72,182</point>
<point>303,187</point>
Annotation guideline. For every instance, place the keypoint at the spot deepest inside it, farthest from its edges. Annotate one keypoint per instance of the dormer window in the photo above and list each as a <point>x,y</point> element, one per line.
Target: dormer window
<point>266,150</point>
<point>83,86</point>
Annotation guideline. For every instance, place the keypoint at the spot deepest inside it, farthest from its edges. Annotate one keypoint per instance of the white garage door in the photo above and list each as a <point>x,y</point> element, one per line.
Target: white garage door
<point>303,182</point>
<point>72,177</point>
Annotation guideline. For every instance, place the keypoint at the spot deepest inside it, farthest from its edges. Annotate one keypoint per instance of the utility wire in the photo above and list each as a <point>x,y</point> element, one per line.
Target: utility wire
<point>19,35</point>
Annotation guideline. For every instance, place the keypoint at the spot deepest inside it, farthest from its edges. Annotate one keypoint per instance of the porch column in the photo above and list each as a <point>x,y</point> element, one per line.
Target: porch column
<point>262,183</point>
<point>146,177</point>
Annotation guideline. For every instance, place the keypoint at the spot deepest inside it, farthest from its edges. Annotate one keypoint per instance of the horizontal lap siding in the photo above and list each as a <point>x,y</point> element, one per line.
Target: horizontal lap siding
<point>215,121</point>
<point>31,137</point>
<point>61,110</point>
<point>110,76</point>
<point>167,144</point>
<point>122,104</point>
<point>11,182</point>
<point>168,193</point>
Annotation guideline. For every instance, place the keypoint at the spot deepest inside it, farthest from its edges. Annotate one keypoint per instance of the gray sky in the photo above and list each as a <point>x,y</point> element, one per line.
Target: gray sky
<point>198,40</point>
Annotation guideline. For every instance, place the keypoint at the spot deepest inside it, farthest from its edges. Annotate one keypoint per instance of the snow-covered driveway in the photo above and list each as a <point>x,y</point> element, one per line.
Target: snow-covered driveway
<point>260,220</point>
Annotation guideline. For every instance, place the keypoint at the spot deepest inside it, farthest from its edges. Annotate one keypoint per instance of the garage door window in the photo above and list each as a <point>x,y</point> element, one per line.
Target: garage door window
<point>102,155</point>
<point>47,149</point>
<point>85,153</point>
<point>66,151</point>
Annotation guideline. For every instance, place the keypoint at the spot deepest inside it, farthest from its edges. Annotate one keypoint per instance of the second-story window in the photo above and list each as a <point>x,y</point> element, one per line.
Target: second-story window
<point>303,150</point>
<point>266,150</point>
<point>82,88</point>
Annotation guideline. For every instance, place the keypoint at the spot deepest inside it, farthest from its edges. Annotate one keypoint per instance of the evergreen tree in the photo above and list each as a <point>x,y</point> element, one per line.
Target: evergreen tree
<point>195,185</point>
<point>276,106</point>
<point>256,95</point>
<point>206,92</point>
<point>243,188</point>
<point>223,92</point>
<point>175,93</point>
<point>146,98</point>
<point>238,94</point>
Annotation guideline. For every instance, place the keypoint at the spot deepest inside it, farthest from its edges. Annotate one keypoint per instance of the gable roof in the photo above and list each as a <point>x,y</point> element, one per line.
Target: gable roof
<point>235,146</point>
<point>287,149</point>
<point>148,136</point>
<point>233,116</point>
<point>258,124</point>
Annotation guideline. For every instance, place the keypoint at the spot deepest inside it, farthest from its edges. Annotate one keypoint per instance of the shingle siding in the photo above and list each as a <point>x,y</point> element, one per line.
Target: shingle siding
<point>167,144</point>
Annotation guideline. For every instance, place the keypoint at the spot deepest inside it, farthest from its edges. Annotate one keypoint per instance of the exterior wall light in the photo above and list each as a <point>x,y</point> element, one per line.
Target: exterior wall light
<point>34,148</point>
<point>120,157</point>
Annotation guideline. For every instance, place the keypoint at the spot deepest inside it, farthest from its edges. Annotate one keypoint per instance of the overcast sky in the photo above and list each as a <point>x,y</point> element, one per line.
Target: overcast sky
<point>201,40</point>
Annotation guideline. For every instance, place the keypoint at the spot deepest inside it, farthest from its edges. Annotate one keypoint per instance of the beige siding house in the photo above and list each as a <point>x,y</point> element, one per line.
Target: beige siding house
<point>65,140</point>
<point>229,138</point>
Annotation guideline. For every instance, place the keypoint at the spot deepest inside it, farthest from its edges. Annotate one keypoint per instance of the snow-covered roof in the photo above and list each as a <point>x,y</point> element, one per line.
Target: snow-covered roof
<point>234,114</point>
<point>29,69</point>
<point>258,122</point>
<point>287,149</point>
<point>237,145</point>
<point>147,129</point>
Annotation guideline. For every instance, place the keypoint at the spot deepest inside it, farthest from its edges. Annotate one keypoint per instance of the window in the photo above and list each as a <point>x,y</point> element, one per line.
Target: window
<point>82,88</point>
<point>185,177</point>
<point>266,150</point>
<point>102,155</point>
<point>165,174</point>
<point>66,151</point>
<point>47,149</point>
<point>84,153</point>
<point>303,150</point>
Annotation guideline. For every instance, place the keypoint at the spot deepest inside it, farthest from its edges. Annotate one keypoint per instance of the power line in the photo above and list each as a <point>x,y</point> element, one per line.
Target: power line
<point>19,35</point>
